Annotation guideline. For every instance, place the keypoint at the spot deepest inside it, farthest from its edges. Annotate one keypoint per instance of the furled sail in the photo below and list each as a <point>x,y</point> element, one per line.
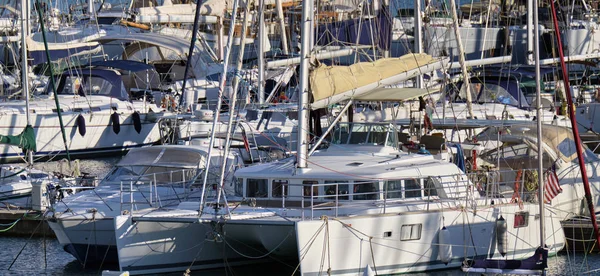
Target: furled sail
<point>333,84</point>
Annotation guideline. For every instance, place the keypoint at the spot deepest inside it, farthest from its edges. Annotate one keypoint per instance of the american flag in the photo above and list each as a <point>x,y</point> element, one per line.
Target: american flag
<point>551,187</point>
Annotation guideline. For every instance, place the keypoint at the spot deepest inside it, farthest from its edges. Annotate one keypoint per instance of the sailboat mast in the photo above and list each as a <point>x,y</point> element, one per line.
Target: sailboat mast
<point>418,38</point>
<point>190,53</point>
<point>531,31</point>
<point>281,20</point>
<point>307,27</point>
<point>461,58</point>
<point>540,149</point>
<point>261,51</point>
<point>38,7</point>
<point>233,98</point>
<point>24,80</point>
<point>222,83</point>
<point>584,177</point>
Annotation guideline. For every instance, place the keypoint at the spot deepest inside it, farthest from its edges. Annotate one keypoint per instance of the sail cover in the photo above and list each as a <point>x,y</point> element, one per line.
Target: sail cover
<point>25,140</point>
<point>333,84</point>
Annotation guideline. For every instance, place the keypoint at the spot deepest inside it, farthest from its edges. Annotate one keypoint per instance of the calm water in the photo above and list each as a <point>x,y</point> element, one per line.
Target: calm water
<point>39,256</point>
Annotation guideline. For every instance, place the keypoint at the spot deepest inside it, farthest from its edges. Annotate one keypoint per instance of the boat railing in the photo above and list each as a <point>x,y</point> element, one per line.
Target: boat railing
<point>148,187</point>
<point>518,185</point>
<point>509,186</point>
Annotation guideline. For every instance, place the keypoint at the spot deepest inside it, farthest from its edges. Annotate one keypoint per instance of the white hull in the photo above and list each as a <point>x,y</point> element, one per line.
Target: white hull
<point>163,242</point>
<point>348,249</point>
<point>84,223</point>
<point>99,136</point>
<point>89,235</point>
<point>91,241</point>
<point>161,246</point>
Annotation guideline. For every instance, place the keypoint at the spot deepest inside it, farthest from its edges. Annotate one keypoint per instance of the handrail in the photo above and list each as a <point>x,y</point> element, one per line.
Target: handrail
<point>134,186</point>
<point>482,184</point>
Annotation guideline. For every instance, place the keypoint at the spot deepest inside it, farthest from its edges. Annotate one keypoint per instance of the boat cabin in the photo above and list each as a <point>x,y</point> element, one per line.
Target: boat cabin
<point>351,173</point>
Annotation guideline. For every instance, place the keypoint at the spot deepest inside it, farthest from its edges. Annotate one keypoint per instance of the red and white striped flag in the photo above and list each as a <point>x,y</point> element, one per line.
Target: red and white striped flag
<point>551,187</point>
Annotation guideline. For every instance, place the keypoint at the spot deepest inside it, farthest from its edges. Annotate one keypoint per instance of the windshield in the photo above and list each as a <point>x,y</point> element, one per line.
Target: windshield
<point>357,133</point>
<point>488,93</point>
<point>158,174</point>
<point>518,155</point>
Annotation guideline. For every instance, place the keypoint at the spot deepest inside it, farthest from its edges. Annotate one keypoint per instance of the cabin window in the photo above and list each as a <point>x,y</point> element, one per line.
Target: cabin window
<point>495,93</point>
<point>521,219</point>
<point>307,184</point>
<point>167,175</point>
<point>393,188</point>
<point>366,190</point>
<point>278,187</point>
<point>412,188</point>
<point>430,189</point>
<point>238,186</point>
<point>342,189</point>
<point>410,232</point>
<point>256,188</point>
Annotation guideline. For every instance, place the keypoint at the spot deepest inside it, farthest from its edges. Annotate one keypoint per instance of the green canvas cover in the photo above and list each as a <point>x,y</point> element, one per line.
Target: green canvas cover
<point>25,140</point>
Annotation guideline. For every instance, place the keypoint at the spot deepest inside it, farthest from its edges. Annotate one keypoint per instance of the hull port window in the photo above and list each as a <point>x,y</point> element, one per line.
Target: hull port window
<point>410,232</point>
<point>521,219</point>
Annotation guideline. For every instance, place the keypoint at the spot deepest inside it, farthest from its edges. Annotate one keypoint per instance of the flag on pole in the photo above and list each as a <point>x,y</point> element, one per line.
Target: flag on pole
<point>551,186</point>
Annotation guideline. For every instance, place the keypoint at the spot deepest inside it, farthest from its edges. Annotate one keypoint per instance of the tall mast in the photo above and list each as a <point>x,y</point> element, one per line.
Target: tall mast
<point>584,177</point>
<point>190,52</point>
<point>233,98</point>
<point>222,83</point>
<point>261,51</point>
<point>281,19</point>
<point>387,36</point>
<point>461,58</point>
<point>538,96</point>
<point>307,27</point>
<point>38,7</point>
<point>418,38</point>
<point>24,79</point>
<point>531,31</point>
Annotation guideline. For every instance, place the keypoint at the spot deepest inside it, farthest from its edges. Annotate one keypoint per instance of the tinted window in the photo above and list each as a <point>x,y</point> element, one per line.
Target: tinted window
<point>256,188</point>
